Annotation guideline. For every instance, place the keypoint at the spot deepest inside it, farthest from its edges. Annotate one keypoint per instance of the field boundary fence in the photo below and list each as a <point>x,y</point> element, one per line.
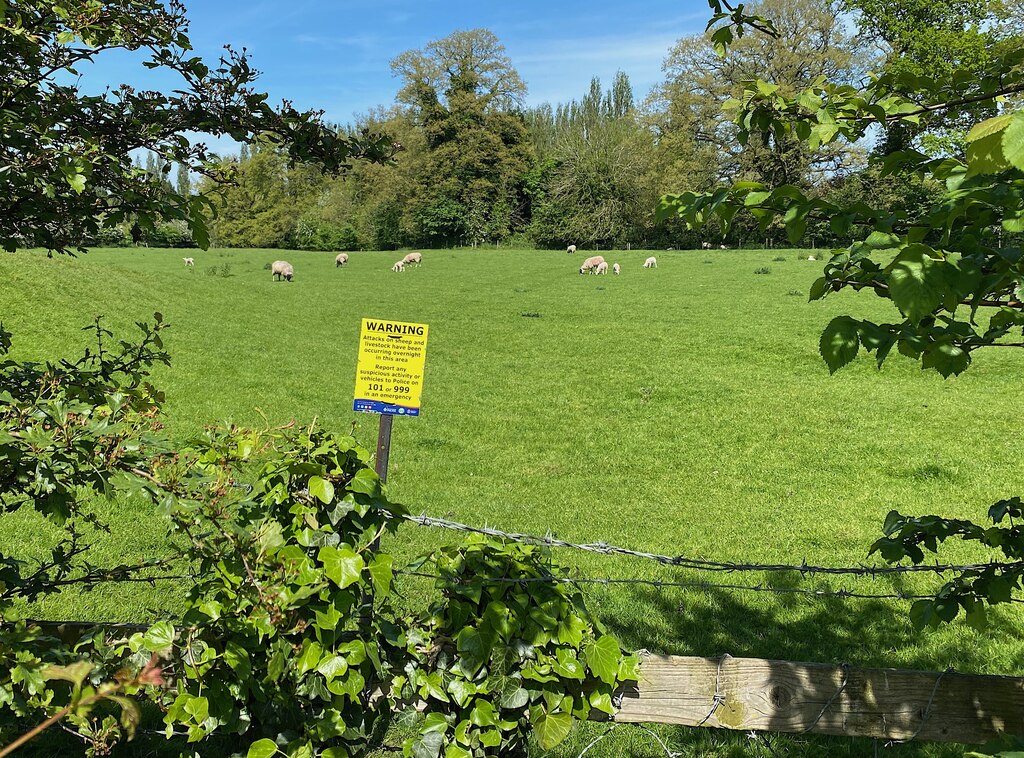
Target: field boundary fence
<point>760,696</point>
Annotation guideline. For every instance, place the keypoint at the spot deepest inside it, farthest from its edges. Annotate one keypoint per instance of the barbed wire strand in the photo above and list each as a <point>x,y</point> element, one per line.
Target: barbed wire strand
<point>926,714</point>
<point>682,561</point>
<point>659,584</point>
<point>597,739</point>
<point>719,696</point>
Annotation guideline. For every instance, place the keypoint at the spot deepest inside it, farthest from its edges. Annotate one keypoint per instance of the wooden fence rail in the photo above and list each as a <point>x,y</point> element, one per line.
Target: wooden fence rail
<point>782,696</point>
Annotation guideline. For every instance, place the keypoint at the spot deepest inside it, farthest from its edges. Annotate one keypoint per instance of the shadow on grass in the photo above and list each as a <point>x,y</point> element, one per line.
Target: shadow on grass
<point>865,633</point>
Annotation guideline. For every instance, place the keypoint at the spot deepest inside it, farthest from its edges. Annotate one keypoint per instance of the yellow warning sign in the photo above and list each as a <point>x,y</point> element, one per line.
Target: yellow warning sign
<point>389,371</point>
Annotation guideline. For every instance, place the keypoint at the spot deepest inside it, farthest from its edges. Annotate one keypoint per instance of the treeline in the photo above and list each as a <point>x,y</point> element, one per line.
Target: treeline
<point>479,167</point>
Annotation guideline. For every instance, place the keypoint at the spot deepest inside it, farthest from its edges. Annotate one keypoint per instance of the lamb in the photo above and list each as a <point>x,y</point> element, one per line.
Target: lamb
<point>189,262</point>
<point>616,269</point>
<point>571,249</point>
<point>651,262</point>
<point>591,263</point>
<point>602,268</point>
<point>281,270</point>
<point>341,260</point>
<point>399,267</point>
<point>413,257</point>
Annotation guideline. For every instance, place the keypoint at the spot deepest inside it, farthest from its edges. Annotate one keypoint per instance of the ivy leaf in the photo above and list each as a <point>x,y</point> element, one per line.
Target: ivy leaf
<point>321,489</point>
<point>381,572</point>
<point>551,728</point>
<point>343,566</point>
<point>839,343</point>
<point>603,658</point>
<point>265,748</point>
<point>474,650</point>
<point>159,638</point>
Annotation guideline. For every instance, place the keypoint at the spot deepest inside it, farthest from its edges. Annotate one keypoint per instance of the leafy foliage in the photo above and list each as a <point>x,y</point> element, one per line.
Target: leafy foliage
<point>68,173</point>
<point>507,647</point>
<point>939,265</point>
<point>290,644</point>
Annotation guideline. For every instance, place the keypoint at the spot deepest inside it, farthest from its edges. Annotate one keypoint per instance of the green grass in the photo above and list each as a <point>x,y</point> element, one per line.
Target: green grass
<point>679,410</point>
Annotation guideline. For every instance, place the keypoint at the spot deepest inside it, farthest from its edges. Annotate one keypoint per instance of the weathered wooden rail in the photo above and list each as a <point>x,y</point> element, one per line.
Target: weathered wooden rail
<point>782,696</point>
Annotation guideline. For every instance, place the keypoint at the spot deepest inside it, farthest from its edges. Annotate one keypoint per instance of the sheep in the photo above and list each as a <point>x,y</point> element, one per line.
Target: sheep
<point>616,269</point>
<point>705,245</point>
<point>413,257</point>
<point>651,262</point>
<point>189,262</point>
<point>602,268</point>
<point>591,263</point>
<point>341,260</point>
<point>571,249</point>
<point>811,258</point>
<point>282,270</point>
<point>723,246</point>
<point>399,267</point>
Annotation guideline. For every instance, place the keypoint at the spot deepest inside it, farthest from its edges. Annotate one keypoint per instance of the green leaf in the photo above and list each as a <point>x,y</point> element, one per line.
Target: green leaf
<point>839,343</point>
<point>1013,141</point>
<point>265,748</point>
<point>343,566</point>
<point>985,156</point>
<point>474,650</point>
<point>321,489</point>
<point>947,359</point>
<point>818,290</point>
<point>159,638</point>
<point>381,572</point>
<point>552,728</point>
<point>456,751</point>
<point>365,482</point>
<point>989,127</point>
<point>916,282</point>
<point>603,658</point>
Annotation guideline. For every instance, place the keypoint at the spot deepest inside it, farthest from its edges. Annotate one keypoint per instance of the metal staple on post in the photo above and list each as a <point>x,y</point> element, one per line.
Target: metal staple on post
<point>719,696</point>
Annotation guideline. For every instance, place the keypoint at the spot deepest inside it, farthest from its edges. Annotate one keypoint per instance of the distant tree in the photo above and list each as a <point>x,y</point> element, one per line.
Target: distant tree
<point>183,183</point>
<point>464,94</point>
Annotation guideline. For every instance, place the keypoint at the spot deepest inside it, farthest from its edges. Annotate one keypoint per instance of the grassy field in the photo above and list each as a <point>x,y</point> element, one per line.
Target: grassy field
<point>682,410</point>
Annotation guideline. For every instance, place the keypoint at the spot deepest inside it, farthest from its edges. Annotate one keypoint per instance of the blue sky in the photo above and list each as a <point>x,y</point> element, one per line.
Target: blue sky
<point>335,55</point>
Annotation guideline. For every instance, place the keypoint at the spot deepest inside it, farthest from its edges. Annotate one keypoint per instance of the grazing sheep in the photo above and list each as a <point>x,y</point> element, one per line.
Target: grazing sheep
<point>341,260</point>
<point>602,268</point>
<point>413,257</point>
<point>723,247</point>
<point>705,245</point>
<point>811,258</point>
<point>399,267</point>
<point>189,262</point>
<point>591,263</point>
<point>282,270</point>
<point>571,249</point>
<point>616,268</point>
<point>651,262</point>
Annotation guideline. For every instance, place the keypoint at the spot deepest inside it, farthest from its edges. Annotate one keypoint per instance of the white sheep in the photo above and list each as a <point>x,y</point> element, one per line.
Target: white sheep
<point>811,258</point>
<point>602,268</point>
<point>705,245</point>
<point>571,249</point>
<point>616,268</point>
<point>189,262</point>
<point>282,270</point>
<point>591,263</point>
<point>399,267</point>
<point>651,262</point>
<point>413,257</point>
<point>723,246</point>
<point>341,260</point>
